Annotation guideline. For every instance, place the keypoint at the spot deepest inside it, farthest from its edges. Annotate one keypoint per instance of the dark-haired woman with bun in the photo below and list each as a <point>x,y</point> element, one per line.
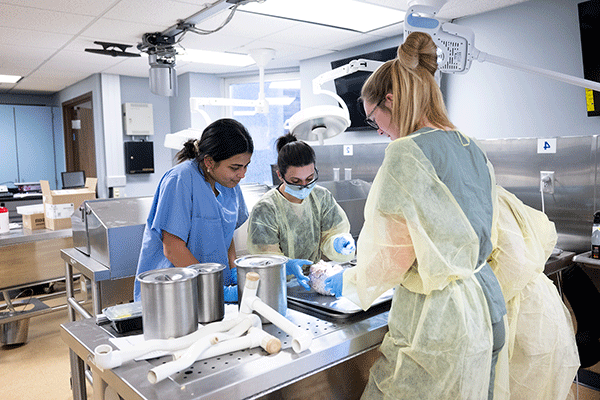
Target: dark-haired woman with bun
<point>299,219</point>
<point>427,234</point>
<point>198,204</point>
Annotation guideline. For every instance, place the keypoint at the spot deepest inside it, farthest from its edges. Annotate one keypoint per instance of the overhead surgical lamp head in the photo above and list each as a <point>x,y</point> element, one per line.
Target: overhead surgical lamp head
<point>455,43</point>
<point>325,121</point>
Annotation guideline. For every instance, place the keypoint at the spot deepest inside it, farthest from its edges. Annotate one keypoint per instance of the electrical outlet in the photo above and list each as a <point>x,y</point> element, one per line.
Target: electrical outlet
<point>547,181</point>
<point>116,193</point>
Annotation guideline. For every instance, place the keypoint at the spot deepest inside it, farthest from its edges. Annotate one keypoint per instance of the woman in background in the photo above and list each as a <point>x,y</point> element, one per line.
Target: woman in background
<point>198,204</point>
<point>542,353</point>
<point>299,219</point>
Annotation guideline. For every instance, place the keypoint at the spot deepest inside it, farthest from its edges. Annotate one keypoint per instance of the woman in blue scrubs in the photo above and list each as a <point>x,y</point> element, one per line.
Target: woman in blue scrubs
<point>198,204</point>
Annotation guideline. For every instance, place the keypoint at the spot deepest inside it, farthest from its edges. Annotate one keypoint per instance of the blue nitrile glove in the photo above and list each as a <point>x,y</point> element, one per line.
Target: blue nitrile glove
<point>294,267</point>
<point>231,279</point>
<point>335,283</point>
<point>230,293</point>
<point>344,244</point>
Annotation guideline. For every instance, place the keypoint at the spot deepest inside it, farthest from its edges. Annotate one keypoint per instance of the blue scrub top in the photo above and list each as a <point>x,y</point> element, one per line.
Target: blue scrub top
<point>185,206</point>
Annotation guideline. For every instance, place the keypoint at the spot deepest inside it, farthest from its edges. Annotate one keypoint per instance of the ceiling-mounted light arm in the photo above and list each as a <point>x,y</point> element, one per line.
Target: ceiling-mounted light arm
<point>456,46</point>
<point>341,71</point>
<point>261,105</point>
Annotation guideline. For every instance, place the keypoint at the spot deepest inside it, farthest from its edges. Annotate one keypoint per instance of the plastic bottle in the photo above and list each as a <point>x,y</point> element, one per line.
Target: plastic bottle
<point>4,224</point>
<point>596,236</point>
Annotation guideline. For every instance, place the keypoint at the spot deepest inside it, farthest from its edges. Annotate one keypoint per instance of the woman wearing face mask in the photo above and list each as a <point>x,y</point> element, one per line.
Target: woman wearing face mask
<point>198,204</point>
<point>299,219</point>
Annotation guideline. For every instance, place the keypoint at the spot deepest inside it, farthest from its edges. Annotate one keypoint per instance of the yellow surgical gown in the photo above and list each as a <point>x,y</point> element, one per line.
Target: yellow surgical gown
<point>543,358</point>
<point>305,230</point>
<point>417,239</point>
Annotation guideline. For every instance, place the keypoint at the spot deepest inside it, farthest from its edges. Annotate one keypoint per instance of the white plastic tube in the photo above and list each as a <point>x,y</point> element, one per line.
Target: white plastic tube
<point>161,372</point>
<point>301,339</point>
<point>255,337</point>
<point>106,358</point>
<point>187,358</point>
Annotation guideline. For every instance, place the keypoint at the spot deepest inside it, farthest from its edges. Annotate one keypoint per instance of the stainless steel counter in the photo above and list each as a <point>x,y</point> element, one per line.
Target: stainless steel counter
<point>248,374</point>
<point>19,236</point>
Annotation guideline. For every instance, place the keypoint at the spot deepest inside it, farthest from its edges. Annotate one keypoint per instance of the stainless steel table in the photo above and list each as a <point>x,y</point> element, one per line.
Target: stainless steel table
<point>249,374</point>
<point>98,274</point>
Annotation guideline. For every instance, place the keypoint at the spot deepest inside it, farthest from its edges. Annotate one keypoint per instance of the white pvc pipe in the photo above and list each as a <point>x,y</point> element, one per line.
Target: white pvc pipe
<point>250,288</point>
<point>163,371</point>
<point>255,337</point>
<point>187,358</point>
<point>301,339</point>
<point>106,358</point>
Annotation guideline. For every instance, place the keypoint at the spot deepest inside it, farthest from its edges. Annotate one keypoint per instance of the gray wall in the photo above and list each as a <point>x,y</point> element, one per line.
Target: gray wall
<point>491,101</point>
<point>136,90</point>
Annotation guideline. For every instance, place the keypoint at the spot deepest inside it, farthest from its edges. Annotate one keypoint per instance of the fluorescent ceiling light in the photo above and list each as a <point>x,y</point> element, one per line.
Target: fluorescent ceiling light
<point>293,84</point>
<point>347,14</point>
<point>9,78</point>
<point>280,101</point>
<point>214,57</point>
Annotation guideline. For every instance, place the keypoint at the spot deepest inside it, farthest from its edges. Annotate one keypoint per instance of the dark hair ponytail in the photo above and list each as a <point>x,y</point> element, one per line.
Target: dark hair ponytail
<point>221,140</point>
<point>293,153</point>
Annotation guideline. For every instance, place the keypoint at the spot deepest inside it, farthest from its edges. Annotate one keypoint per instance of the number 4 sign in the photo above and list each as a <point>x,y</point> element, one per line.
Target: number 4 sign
<point>546,146</point>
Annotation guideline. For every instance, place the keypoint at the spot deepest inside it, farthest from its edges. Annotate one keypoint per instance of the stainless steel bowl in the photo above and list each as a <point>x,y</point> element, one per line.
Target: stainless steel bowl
<point>169,302</point>
<point>272,288</point>
<point>211,301</point>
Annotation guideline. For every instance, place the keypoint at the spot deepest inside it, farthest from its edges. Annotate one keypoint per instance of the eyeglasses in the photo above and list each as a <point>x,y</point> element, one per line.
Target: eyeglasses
<point>370,121</point>
<point>300,187</point>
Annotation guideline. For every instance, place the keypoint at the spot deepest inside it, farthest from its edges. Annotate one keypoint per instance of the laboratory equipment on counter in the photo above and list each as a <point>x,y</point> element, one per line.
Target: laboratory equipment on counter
<point>211,299</point>
<point>271,269</point>
<point>110,231</point>
<point>169,302</point>
<point>596,236</point>
<point>220,337</point>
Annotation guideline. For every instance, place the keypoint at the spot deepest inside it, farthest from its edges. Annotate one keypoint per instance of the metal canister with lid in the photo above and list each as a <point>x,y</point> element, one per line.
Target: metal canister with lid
<point>211,301</point>
<point>596,236</point>
<point>272,289</point>
<point>169,302</point>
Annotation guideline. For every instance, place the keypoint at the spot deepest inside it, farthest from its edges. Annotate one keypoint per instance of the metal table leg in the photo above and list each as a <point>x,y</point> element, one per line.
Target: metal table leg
<point>77,364</point>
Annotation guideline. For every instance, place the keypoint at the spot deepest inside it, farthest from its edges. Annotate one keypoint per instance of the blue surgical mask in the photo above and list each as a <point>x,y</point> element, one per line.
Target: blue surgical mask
<point>299,192</point>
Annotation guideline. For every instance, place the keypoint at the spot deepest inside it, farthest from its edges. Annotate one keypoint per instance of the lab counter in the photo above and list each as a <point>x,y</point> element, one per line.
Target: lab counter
<point>335,366</point>
<point>28,257</point>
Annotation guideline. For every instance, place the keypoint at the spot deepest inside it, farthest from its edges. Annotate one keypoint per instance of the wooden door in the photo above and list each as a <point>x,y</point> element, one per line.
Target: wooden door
<point>80,148</point>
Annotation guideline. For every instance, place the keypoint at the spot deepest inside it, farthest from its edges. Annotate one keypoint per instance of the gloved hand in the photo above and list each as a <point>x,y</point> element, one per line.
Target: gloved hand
<point>230,293</point>
<point>335,283</point>
<point>294,267</point>
<point>344,244</point>
<point>230,279</point>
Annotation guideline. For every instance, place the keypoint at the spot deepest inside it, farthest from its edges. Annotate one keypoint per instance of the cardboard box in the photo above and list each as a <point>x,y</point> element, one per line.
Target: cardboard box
<point>59,205</point>
<point>33,216</point>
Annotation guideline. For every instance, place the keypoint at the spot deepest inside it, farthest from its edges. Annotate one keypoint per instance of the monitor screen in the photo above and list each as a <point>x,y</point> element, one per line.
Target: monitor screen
<point>349,86</point>
<point>73,180</point>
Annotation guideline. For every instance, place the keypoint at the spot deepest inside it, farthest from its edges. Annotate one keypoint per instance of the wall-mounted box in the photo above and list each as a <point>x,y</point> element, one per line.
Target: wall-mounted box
<point>138,119</point>
<point>139,157</point>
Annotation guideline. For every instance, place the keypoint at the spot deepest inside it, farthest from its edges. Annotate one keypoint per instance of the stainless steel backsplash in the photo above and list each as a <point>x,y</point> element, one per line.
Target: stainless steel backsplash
<point>517,165</point>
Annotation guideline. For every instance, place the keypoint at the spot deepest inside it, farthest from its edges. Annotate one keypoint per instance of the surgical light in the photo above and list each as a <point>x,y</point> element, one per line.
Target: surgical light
<point>325,121</point>
<point>456,45</point>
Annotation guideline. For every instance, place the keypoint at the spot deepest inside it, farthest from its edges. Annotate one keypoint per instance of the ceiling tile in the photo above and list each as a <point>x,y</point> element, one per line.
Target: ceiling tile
<point>116,31</point>
<point>155,12</point>
<point>42,20</point>
<point>84,7</point>
<point>29,39</point>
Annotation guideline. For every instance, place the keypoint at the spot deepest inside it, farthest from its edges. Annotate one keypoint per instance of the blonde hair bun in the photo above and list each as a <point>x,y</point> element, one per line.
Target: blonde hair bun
<point>418,50</point>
